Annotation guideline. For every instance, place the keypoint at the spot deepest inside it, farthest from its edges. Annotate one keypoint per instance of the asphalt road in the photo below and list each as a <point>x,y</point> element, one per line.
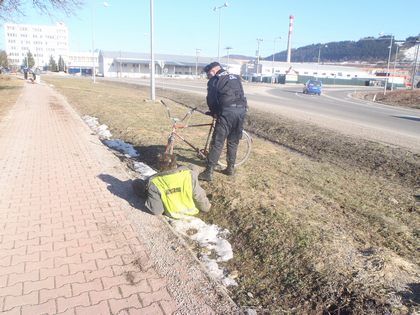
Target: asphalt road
<point>334,109</point>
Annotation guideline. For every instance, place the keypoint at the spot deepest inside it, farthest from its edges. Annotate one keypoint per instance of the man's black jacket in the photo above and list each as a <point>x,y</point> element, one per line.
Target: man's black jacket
<point>224,89</point>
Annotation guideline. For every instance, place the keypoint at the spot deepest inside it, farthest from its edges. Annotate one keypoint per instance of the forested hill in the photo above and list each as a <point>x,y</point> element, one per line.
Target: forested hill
<point>367,49</point>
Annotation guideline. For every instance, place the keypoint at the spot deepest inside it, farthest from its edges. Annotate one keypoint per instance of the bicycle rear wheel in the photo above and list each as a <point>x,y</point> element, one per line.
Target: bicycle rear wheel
<point>244,150</point>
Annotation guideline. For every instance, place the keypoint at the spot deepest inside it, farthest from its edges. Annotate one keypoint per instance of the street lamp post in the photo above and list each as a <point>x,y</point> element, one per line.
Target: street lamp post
<point>389,60</point>
<point>395,65</point>
<point>413,75</point>
<point>319,52</point>
<point>228,48</point>
<point>274,52</point>
<point>259,40</point>
<point>152,56</point>
<point>197,51</point>
<point>319,57</point>
<point>105,4</point>
<point>218,45</point>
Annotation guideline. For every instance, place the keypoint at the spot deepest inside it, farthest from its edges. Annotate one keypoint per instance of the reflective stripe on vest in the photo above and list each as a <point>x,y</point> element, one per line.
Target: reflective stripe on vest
<point>176,193</point>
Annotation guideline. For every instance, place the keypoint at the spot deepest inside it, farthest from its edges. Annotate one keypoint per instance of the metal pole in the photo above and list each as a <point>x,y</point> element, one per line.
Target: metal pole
<point>415,67</point>
<point>389,60</point>
<point>152,56</point>
<point>197,51</point>
<point>258,53</point>
<point>228,48</point>
<point>218,45</point>
<point>319,53</point>
<point>274,52</point>
<point>395,65</point>
<point>196,64</point>
<point>93,43</point>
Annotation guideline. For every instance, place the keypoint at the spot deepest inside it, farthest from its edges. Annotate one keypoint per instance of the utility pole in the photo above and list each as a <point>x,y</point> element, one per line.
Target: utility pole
<point>415,65</point>
<point>258,53</point>
<point>197,51</point>
<point>152,56</point>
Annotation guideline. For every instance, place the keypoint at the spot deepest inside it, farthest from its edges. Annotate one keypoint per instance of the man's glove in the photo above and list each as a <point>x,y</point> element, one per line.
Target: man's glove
<point>208,113</point>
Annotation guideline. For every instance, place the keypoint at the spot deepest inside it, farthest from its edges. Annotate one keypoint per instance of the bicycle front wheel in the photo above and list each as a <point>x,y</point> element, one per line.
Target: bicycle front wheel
<point>244,150</point>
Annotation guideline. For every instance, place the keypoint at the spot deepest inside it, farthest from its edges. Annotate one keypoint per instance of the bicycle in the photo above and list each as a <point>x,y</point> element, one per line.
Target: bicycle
<point>244,146</point>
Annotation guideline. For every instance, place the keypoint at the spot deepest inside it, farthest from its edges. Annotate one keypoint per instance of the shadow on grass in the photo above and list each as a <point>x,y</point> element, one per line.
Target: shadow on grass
<point>411,296</point>
<point>123,190</point>
<point>149,155</point>
<point>9,87</point>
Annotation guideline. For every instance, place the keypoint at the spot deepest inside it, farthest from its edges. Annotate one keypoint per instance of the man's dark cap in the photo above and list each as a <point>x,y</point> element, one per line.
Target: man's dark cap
<point>211,66</point>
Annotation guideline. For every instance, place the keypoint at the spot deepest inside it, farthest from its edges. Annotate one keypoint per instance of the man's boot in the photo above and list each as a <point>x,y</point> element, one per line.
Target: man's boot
<point>207,174</point>
<point>229,170</point>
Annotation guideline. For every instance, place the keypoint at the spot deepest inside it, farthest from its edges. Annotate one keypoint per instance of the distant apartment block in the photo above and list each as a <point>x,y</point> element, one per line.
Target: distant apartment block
<point>43,41</point>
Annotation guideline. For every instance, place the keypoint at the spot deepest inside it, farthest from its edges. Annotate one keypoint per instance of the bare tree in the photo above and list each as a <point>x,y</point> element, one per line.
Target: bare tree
<point>14,8</point>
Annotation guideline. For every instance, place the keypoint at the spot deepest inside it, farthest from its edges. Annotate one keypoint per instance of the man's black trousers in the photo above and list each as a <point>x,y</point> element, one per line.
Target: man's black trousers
<point>229,125</point>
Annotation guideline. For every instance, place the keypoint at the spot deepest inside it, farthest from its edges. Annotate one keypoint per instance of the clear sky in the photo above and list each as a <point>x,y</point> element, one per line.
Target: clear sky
<point>181,26</point>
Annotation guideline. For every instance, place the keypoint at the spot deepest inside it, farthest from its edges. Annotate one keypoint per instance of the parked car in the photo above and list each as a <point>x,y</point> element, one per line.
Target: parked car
<point>313,87</point>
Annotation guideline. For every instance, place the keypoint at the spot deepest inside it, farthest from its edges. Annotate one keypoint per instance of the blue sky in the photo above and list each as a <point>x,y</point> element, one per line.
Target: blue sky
<point>181,26</point>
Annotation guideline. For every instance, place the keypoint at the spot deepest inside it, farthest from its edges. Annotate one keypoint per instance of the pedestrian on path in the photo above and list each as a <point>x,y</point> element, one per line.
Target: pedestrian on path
<point>174,190</point>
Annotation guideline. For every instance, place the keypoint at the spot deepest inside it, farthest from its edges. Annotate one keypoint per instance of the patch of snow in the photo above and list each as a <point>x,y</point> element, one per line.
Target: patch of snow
<point>123,147</point>
<point>410,53</point>
<point>104,134</point>
<point>210,237</point>
<point>144,170</point>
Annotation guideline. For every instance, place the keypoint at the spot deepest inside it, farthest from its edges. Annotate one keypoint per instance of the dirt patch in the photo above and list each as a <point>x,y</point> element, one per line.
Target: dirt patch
<point>404,98</point>
<point>320,223</point>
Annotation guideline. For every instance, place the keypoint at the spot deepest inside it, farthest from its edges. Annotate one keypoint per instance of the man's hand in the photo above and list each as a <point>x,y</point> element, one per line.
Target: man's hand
<point>209,113</point>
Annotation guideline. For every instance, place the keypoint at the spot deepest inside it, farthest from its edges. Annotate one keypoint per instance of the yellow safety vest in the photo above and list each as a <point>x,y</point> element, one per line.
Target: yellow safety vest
<point>176,193</point>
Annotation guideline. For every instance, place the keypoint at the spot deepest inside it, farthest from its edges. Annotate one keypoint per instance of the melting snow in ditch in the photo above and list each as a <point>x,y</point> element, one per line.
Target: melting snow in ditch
<point>211,238</point>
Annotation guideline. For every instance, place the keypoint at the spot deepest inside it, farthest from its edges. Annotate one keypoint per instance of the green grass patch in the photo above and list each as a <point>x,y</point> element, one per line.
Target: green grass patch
<point>310,235</point>
<point>10,88</point>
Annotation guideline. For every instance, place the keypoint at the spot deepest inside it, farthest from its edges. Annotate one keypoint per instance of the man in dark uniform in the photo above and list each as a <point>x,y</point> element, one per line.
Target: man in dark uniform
<point>226,102</point>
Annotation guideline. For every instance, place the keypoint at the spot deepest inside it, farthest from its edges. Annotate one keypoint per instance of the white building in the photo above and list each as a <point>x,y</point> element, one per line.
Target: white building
<point>82,62</point>
<point>43,41</point>
<point>136,65</point>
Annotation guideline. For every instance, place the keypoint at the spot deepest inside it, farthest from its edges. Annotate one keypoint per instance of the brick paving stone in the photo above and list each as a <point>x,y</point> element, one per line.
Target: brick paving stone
<point>72,278</point>
<point>104,295</point>
<point>106,272</point>
<point>13,311</point>
<point>121,304</point>
<point>129,289</point>
<point>15,289</point>
<point>29,286</point>
<point>3,280</point>
<point>48,294</point>
<point>24,299</point>
<point>156,296</point>
<point>57,271</point>
<point>43,308</point>
<point>101,308</point>
<point>27,276</point>
<point>94,285</point>
<point>64,304</point>
<point>45,264</point>
<point>153,309</point>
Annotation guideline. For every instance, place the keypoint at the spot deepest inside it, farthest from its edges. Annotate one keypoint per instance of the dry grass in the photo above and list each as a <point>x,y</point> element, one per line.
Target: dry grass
<point>309,236</point>
<point>10,88</point>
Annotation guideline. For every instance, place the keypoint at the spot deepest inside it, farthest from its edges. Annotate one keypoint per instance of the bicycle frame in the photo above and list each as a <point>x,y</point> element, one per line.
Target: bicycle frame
<point>182,124</point>
<point>178,124</point>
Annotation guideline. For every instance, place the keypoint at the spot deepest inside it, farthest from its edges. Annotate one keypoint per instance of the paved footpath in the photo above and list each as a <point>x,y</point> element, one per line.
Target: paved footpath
<point>73,237</point>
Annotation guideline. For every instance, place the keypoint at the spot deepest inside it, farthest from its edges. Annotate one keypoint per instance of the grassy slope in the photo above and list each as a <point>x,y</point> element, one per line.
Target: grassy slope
<point>307,234</point>
<point>10,88</point>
